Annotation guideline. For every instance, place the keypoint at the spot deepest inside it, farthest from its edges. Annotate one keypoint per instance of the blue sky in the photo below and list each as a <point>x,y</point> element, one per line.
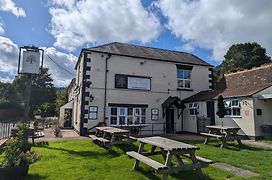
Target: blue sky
<point>205,28</point>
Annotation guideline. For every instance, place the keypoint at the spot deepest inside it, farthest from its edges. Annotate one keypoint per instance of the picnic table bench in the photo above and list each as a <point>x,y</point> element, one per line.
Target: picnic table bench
<point>168,149</point>
<point>32,134</point>
<point>222,133</point>
<point>108,136</point>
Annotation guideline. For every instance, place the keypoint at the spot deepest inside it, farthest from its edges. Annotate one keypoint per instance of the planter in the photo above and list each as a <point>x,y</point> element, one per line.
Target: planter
<point>14,173</point>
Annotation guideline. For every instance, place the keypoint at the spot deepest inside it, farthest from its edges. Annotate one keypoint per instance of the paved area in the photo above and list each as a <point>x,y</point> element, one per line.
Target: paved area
<point>66,135</point>
<point>257,144</point>
<point>235,170</point>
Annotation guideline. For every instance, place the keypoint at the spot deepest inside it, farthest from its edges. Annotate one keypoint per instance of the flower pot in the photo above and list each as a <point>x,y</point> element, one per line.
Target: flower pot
<point>14,173</point>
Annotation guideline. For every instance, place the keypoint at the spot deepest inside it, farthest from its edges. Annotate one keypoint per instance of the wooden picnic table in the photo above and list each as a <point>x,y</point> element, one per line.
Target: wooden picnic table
<point>109,136</point>
<point>223,133</point>
<point>168,149</point>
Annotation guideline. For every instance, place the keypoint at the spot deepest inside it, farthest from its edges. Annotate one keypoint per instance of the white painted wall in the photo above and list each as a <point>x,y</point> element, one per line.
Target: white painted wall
<point>190,121</point>
<point>266,107</point>
<point>245,121</point>
<point>163,84</point>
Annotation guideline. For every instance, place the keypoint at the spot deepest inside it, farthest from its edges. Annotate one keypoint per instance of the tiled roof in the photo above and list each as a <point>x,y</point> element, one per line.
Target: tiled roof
<point>149,53</point>
<point>243,83</point>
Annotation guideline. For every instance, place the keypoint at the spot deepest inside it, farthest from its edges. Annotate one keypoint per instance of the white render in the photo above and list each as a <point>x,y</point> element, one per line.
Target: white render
<point>163,84</point>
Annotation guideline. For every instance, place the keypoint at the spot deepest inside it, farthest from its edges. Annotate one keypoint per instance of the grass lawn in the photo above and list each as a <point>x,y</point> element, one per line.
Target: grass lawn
<point>82,159</point>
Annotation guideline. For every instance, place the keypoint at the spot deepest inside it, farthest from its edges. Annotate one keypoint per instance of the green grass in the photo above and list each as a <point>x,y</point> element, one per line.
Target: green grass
<point>82,159</point>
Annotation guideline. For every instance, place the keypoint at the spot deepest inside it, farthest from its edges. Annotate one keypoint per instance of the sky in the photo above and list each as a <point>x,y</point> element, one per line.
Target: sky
<point>205,28</point>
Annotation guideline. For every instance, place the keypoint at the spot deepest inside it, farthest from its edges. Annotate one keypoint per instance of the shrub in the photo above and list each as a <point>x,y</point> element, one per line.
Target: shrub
<point>57,131</point>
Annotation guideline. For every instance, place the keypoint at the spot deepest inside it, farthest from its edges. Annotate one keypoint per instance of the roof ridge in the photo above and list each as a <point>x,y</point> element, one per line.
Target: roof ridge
<point>248,70</point>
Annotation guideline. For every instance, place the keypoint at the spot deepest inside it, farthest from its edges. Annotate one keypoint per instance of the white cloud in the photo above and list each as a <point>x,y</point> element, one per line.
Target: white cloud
<point>2,31</point>
<point>216,25</point>
<point>10,6</point>
<point>9,53</point>
<point>75,23</point>
<point>66,61</point>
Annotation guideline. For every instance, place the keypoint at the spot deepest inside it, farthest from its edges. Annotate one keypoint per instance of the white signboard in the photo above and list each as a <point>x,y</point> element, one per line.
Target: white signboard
<point>138,83</point>
<point>31,62</point>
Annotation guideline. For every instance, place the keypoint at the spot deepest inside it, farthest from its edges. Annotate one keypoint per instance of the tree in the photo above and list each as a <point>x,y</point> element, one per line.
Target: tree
<point>9,97</point>
<point>243,56</point>
<point>43,93</point>
<point>62,98</point>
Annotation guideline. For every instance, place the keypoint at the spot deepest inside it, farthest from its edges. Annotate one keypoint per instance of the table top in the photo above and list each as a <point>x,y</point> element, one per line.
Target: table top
<point>167,144</point>
<point>223,127</point>
<point>112,129</point>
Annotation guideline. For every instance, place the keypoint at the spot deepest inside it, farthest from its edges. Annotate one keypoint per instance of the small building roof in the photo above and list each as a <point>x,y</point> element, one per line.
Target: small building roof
<point>122,49</point>
<point>242,83</point>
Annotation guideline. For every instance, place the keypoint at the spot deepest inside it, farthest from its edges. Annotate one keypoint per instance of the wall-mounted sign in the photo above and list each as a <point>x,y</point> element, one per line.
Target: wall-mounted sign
<point>138,83</point>
<point>31,62</point>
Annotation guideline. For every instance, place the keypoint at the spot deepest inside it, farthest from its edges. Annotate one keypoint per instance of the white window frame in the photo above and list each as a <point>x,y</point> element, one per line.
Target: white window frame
<point>193,109</point>
<point>141,116</point>
<point>184,80</point>
<point>230,106</point>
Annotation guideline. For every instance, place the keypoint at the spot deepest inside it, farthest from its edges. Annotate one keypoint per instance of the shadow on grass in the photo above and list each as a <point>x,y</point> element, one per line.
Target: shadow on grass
<point>34,177</point>
<point>77,153</point>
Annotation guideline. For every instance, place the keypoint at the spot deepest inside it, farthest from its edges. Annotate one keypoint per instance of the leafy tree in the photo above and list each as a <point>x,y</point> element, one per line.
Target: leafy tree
<point>239,57</point>
<point>43,92</point>
<point>9,97</point>
<point>243,56</point>
<point>62,98</point>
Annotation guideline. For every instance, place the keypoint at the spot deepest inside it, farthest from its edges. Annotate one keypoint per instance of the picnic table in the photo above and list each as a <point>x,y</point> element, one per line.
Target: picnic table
<point>168,149</point>
<point>109,136</point>
<point>31,133</point>
<point>223,133</point>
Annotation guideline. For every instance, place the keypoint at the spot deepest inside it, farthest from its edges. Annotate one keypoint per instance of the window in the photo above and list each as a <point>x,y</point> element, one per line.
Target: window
<point>154,114</point>
<point>184,78</point>
<point>93,112</point>
<point>233,108</point>
<point>120,81</point>
<point>127,116</point>
<point>132,82</point>
<point>193,109</point>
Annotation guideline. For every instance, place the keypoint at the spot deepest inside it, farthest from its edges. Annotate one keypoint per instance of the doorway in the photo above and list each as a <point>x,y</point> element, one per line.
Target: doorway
<point>170,120</point>
<point>210,112</point>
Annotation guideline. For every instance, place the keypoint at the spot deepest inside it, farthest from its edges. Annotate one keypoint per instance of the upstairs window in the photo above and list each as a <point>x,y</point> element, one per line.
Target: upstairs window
<point>120,81</point>
<point>193,109</point>
<point>184,76</point>
<point>233,108</point>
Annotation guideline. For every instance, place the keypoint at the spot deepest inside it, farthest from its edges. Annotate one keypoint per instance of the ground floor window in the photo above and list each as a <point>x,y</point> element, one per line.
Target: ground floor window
<point>127,115</point>
<point>233,107</point>
<point>193,109</point>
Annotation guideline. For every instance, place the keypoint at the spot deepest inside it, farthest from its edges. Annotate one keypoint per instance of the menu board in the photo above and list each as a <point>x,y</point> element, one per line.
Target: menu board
<point>138,83</point>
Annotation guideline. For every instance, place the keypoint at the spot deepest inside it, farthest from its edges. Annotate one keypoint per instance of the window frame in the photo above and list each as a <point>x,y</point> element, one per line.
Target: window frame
<point>134,116</point>
<point>184,79</point>
<point>231,107</point>
<point>193,108</point>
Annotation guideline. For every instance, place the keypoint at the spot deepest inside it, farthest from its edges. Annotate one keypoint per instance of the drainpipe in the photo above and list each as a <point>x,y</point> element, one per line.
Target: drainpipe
<point>105,90</point>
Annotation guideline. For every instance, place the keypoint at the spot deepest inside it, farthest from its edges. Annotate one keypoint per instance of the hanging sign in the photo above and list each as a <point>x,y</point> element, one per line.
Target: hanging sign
<point>31,62</point>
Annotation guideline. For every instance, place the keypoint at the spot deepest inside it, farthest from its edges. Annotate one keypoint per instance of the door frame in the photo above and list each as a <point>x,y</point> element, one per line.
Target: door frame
<point>168,119</point>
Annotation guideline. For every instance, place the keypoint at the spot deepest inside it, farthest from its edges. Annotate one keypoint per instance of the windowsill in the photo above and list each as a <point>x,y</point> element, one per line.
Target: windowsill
<point>131,89</point>
<point>130,125</point>
<point>184,89</point>
<point>233,116</point>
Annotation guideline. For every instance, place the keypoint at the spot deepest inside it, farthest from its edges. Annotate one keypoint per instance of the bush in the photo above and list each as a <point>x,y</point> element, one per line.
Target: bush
<point>17,151</point>
<point>57,131</point>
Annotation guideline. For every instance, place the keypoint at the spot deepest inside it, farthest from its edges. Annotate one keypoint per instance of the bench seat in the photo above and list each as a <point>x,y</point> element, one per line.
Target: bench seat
<point>95,138</point>
<point>201,159</point>
<point>154,164</point>
<point>38,134</point>
<point>212,135</point>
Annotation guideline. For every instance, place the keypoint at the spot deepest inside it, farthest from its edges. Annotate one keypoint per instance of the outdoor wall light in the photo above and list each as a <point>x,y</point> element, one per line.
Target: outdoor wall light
<point>91,98</point>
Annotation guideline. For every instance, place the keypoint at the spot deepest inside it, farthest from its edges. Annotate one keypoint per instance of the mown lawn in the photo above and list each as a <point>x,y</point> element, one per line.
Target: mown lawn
<point>81,159</point>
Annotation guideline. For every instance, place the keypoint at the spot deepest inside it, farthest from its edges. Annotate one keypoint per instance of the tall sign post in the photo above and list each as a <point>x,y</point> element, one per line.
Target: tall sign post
<point>30,62</point>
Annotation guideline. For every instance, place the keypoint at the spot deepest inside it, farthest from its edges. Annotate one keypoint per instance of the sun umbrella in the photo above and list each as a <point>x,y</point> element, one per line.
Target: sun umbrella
<point>221,108</point>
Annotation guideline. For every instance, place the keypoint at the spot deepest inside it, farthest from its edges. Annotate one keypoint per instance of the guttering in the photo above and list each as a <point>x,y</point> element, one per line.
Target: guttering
<point>105,90</point>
